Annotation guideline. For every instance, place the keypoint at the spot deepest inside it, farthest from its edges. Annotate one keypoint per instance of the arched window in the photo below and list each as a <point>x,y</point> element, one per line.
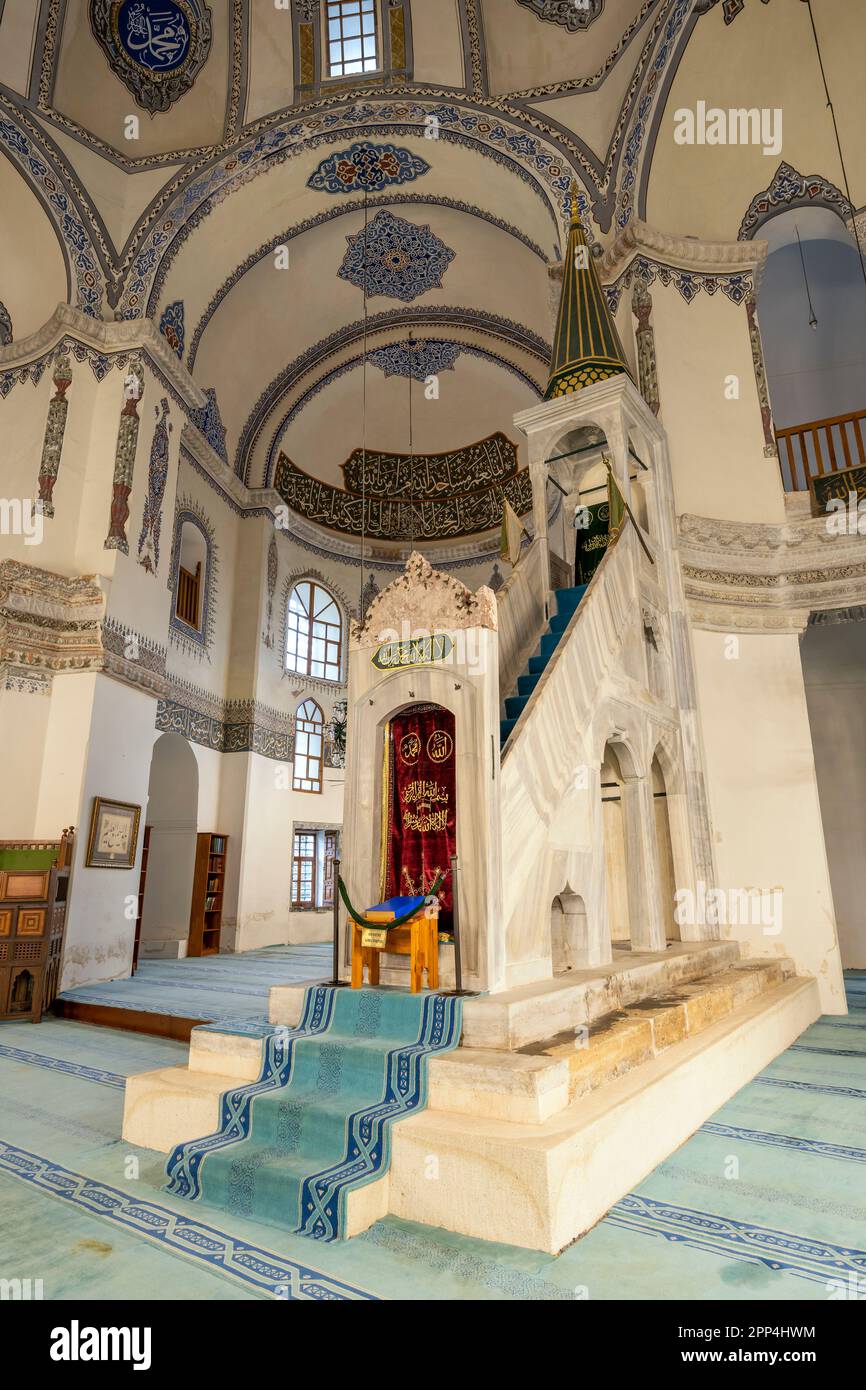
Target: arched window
<point>190,576</point>
<point>309,748</point>
<point>314,632</point>
<point>192,582</point>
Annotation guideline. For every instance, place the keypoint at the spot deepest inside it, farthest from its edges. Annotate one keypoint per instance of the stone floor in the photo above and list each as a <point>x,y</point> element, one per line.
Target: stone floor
<point>767,1200</point>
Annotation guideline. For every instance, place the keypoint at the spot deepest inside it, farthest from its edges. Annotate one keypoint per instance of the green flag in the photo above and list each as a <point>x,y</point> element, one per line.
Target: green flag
<point>512,530</point>
<point>616,502</point>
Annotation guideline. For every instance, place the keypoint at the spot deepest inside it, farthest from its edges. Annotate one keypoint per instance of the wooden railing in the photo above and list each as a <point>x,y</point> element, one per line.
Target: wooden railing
<point>188,586</point>
<point>821,446</point>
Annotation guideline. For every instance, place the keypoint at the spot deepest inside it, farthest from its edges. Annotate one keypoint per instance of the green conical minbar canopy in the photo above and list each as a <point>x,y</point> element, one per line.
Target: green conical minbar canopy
<point>586,345</point>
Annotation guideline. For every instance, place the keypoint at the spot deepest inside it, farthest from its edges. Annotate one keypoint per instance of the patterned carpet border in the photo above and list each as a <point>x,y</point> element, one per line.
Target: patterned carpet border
<point>79,1069</point>
<point>274,1275</point>
<point>851,1091</point>
<point>781,1251</point>
<point>820,1147</point>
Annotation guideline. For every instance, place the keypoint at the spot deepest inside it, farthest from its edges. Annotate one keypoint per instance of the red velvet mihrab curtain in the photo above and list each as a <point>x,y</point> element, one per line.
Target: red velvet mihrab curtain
<point>420,829</point>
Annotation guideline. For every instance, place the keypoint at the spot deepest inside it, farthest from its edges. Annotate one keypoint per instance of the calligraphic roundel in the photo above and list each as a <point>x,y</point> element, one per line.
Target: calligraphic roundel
<point>410,748</point>
<point>155,47</point>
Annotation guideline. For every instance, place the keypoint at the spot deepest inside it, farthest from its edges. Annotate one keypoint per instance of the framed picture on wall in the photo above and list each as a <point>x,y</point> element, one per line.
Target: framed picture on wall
<point>113,834</point>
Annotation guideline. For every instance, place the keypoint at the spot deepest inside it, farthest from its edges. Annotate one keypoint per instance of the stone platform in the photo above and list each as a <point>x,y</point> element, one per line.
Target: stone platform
<point>535,1140</point>
<point>530,1013</point>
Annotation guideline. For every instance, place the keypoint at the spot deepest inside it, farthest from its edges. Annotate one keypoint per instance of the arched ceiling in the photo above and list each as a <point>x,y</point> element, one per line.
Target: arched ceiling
<point>185,222</point>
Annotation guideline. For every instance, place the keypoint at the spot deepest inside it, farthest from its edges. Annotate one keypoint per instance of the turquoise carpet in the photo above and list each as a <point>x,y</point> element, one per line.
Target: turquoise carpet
<point>230,990</point>
<point>316,1124</point>
<point>86,1211</point>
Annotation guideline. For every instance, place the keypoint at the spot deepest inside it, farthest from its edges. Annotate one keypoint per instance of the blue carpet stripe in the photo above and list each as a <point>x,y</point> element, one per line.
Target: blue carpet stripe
<point>828,1051</point>
<point>261,1269</point>
<point>822,1148</point>
<point>852,1091</point>
<point>85,1073</point>
<point>184,1165</point>
<point>801,1256</point>
<point>841,1022</point>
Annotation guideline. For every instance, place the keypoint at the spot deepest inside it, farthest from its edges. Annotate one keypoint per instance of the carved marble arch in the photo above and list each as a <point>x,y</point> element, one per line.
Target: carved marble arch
<point>666,752</point>
<point>788,190</point>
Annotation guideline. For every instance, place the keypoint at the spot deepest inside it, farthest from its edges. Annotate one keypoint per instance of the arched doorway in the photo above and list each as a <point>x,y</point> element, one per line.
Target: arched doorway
<point>616,867</point>
<point>812,313</point>
<point>568,932</point>
<point>171,822</point>
<point>664,853</point>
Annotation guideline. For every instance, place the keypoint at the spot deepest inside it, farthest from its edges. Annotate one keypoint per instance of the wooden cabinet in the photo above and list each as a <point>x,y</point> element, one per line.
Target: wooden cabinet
<point>208,889</point>
<point>34,886</point>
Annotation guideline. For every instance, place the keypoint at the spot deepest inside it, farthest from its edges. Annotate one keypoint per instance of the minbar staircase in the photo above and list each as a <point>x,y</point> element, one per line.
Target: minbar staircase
<point>567,601</point>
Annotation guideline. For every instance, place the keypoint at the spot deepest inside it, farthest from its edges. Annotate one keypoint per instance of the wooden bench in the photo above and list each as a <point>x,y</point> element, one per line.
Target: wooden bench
<point>34,886</point>
<point>418,939</point>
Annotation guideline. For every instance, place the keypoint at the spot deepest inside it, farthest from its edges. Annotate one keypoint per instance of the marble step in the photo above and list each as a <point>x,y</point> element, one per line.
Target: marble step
<point>172,1104</point>
<point>534,1012</point>
<point>621,1041</point>
<point>541,1186</point>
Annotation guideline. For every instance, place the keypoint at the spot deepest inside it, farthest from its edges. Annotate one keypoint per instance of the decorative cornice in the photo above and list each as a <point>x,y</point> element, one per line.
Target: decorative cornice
<point>760,575</point>
<point>683,253</point>
<point>49,622</point>
<point>106,338</point>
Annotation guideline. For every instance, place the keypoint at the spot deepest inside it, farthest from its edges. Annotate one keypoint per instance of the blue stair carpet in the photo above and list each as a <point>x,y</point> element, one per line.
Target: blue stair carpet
<point>567,601</point>
<point>316,1124</point>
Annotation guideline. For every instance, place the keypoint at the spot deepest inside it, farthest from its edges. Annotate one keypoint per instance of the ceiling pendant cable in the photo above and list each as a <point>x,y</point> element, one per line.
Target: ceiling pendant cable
<point>412,527</point>
<point>361,612</point>
<point>813,321</point>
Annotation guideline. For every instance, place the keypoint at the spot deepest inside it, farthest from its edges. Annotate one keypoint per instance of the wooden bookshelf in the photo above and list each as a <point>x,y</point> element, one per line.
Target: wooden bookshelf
<point>208,888</point>
<point>145,846</point>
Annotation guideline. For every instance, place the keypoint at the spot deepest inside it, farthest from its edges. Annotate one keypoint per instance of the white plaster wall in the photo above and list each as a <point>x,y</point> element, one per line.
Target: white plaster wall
<point>716,443</point>
<point>272,809</point>
<point>834,669</point>
<point>763,798</point>
<point>34,278</point>
<point>100,926</point>
<point>766,58</point>
<point>23,721</point>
